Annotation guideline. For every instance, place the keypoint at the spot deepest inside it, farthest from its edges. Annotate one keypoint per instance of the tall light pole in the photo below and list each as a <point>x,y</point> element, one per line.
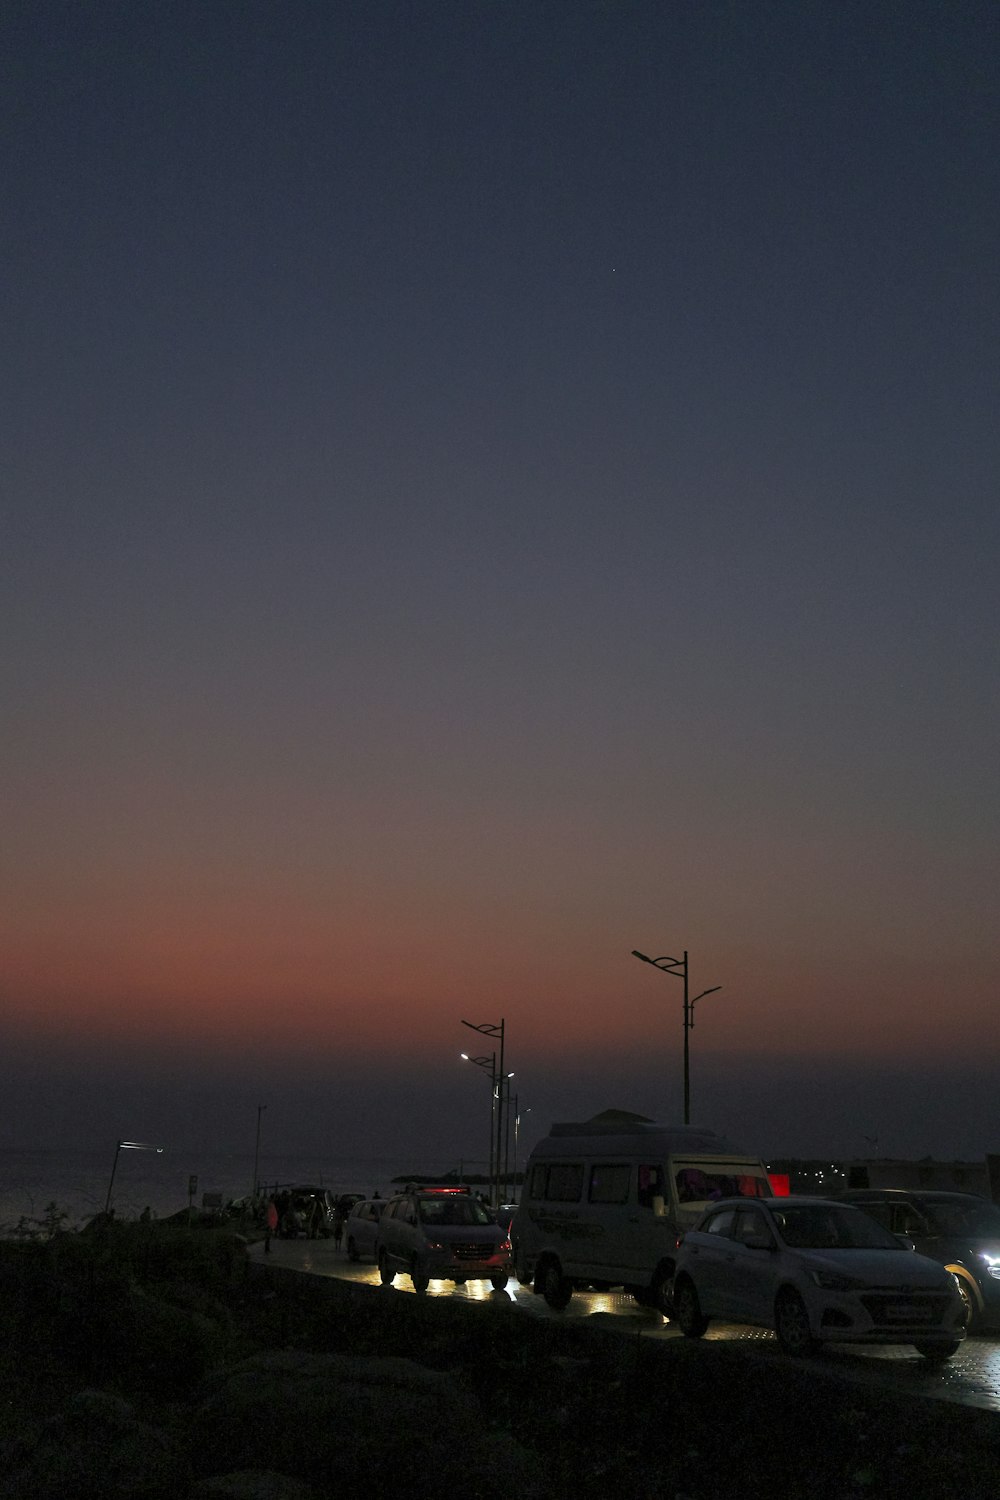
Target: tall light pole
<point>125,1146</point>
<point>517,1132</point>
<point>503,1088</point>
<point>494,1029</point>
<point>256,1151</point>
<point>679,968</point>
<point>489,1064</point>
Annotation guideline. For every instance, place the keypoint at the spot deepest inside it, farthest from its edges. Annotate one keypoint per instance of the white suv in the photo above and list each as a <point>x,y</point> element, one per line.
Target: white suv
<point>441,1233</point>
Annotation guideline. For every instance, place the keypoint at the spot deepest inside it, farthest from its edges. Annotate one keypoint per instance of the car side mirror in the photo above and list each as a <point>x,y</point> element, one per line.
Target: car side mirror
<point>759,1242</point>
<point>906,1242</point>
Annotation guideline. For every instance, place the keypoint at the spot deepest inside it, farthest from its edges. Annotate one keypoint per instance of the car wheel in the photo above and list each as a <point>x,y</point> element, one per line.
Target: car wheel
<point>555,1288</point>
<point>386,1274</point>
<point>970,1302</point>
<point>660,1293</point>
<point>419,1277</point>
<point>352,1250</point>
<point>791,1324</point>
<point>521,1271</point>
<point>499,1281</point>
<point>938,1353</point>
<point>687,1309</point>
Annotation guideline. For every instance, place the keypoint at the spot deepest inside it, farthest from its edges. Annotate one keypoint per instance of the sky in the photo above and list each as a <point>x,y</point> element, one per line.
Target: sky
<point>488,487</point>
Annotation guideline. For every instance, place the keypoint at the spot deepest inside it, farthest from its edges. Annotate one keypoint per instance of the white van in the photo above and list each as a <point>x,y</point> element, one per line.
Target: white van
<point>605,1202</point>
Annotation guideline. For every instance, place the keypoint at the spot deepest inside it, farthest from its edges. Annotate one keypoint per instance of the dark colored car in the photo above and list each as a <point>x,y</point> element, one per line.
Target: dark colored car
<point>960,1230</point>
<point>305,1210</point>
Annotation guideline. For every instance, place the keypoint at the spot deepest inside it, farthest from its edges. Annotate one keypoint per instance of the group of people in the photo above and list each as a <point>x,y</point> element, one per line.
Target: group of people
<point>289,1213</point>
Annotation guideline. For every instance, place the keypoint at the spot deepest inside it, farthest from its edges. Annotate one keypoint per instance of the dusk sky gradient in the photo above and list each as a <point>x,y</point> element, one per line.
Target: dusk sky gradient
<point>488,487</point>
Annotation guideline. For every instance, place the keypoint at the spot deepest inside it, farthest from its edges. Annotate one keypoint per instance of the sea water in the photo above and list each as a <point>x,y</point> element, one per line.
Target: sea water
<point>78,1182</point>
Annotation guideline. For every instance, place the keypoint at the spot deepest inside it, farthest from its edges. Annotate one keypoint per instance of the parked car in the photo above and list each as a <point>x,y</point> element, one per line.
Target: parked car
<point>305,1210</point>
<point>959,1230</point>
<point>816,1271</point>
<point>361,1228</point>
<point>441,1232</point>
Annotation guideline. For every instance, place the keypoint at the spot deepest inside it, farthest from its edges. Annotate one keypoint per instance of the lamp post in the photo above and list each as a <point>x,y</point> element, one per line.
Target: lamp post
<point>679,968</point>
<point>489,1064</point>
<point>494,1029</point>
<point>125,1146</point>
<point>503,1092</point>
<point>256,1153</point>
<point>517,1132</point>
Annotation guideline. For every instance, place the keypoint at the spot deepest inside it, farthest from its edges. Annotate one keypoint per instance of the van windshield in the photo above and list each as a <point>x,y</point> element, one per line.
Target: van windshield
<point>705,1183</point>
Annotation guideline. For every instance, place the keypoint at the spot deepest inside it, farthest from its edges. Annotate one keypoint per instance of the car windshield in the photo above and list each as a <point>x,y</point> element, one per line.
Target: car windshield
<point>453,1209</point>
<point>967,1219</point>
<point>821,1226</point>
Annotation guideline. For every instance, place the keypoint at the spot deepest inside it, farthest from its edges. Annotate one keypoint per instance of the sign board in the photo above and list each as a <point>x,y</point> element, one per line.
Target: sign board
<point>192,1186</point>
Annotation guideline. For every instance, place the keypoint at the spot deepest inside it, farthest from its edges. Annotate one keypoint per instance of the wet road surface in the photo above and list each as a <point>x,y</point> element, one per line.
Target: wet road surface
<point>971,1377</point>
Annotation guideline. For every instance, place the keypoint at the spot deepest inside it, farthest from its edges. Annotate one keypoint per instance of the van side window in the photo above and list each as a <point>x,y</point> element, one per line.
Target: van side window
<point>536,1184</point>
<point>609,1184</point>
<point>651,1185</point>
<point>565,1182</point>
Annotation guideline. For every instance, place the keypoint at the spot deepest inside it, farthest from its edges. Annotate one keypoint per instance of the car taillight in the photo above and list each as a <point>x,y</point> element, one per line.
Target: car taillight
<point>504,1245</point>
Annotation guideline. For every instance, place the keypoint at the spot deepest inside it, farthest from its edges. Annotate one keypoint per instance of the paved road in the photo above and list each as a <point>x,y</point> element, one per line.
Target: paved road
<point>971,1377</point>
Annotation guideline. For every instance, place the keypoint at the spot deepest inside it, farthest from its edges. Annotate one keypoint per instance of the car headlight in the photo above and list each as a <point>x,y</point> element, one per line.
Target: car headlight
<point>831,1281</point>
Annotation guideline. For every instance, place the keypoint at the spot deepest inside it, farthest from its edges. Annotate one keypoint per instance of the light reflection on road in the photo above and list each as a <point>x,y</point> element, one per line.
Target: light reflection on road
<point>971,1377</point>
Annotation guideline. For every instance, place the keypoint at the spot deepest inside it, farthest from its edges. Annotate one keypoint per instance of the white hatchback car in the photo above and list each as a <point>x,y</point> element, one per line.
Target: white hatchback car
<point>361,1228</point>
<point>816,1272</point>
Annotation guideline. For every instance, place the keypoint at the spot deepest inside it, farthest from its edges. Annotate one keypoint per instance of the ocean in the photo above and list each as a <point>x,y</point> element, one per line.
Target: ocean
<point>77,1182</point>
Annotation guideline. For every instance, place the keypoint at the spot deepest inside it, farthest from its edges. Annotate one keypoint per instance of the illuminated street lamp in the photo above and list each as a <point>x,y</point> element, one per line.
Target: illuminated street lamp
<point>517,1132</point>
<point>488,1063</point>
<point>125,1146</point>
<point>256,1153</point>
<point>494,1030</point>
<point>502,1091</point>
<point>679,968</point>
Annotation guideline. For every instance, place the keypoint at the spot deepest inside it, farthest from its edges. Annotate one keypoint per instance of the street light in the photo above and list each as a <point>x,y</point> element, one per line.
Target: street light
<point>679,968</point>
<point>494,1029</point>
<point>502,1092</point>
<point>256,1152</point>
<point>517,1132</point>
<point>489,1063</point>
<point>125,1146</point>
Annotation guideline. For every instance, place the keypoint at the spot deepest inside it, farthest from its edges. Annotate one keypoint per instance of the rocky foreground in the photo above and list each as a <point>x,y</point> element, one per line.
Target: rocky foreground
<point>159,1364</point>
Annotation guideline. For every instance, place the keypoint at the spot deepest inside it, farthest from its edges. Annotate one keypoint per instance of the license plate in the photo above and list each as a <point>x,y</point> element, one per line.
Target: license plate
<point>898,1312</point>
